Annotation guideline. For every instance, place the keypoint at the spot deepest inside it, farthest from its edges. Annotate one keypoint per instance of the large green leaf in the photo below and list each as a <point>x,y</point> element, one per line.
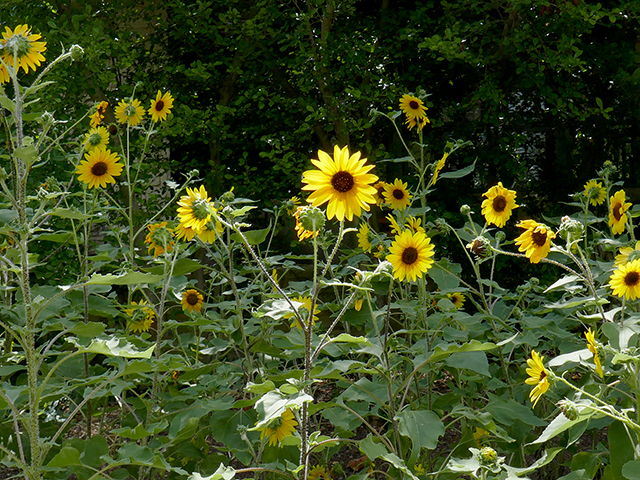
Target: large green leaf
<point>423,427</point>
<point>131,278</point>
<point>112,346</point>
<point>222,473</point>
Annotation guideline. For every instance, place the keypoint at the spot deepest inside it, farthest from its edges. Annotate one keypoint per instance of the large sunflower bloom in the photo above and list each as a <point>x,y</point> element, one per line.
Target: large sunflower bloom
<point>415,111</point>
<point>97,137</point>
<point>99,167</point>
<point>498,205</point>
<point>410,254</point>
<point>617,212</point>
<point>343,181</point>
<point>397,194</point>
<point>537,376</point>
<point>159,239</point>
<point>379,195</point>
<point>591,345</point>
<point>161,107</point>
<point>306,303</point>
<point>130,111</point>
<point>280,428</point>
<point>195,209</point>
<point>141,316</point>
<point>535,242</point>
<point>24,45</point>
<point>625,280</point>
<point>595,192</point>
<point>192,300</point>
<point>364,242</point>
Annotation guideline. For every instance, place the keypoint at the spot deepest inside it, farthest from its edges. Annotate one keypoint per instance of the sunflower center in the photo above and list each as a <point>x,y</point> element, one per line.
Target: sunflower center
<point>409,256</point>
<point>113,129</point>
<point>414,105</point>
<point>159,106</point>
<point>539,238</point>
<point>542,376</point>
<point>192,299</point>
<point>632,279</point>
<point>398,194</point>
<point>99,169</point>
<point>617,211</point>
<point>499,204</point>
<point>342,182</point>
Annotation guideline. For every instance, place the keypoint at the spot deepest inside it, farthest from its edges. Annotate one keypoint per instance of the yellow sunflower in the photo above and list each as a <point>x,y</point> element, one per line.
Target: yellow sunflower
<point>161,107</point>
<point>22,47</point>
<point>439,167</point>
<point>141,317</point>
<point>397,194</point>
<point>292,205</point>
<point>617,212</point>
<point>159,238</point>
<point>595,192</point>
<point>498,205</point>
<point>625,280</point>
<point>195,209</point>
<point>98,115</point>
<point>537,376</point>
<point>279,428</point>
<point>187,233</point>
<point>97,137</point>
<point>192,300</point>
<point>415,111</point>
<point>306,303</point>
<point>319,472</point>
<point>379,195</point>
<point>211,231</point>
<point>457,299</point>
<point>410,254</point>
<point>623,256</point>
<point>396,229</point>
<point>343,181</point>
<point>593,348</point>
<point>99,167</point>
<point>535,242</point>
<point>364,242</point>
<point>414,224</point>
<point>301,232</point>
<point>130,111</point>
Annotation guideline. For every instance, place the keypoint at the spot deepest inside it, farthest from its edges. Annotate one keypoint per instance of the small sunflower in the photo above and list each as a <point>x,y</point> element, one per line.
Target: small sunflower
<point>498,205</point>
<point>625,280</point>
<point>292,205</point>
<point>195,209</point>
<point>280,428</point>
<point>595,192</point>
<point>396,229</point>
<point>187,233</point>
<point>306,303</point>
<point>211,231</point>
<point>593,348</point>
<point>192,300</point>
<point>21,46</point>
<point>415,111</point>
<point>439,166</point>
<point>319,472</point>
<point>344,181</point>
<point>457,299</point>
<point>98,115</point>
<point>625,252</point>
<point>414,224</point>
<point>397,194</point>
<point>617,212</point>
<point>130,111</point>
<point>99,167</point>
<point>161,107</point>
<point>537,376</point>
<point>364,242</point>
<point>302,232</point>
<point>535,242</point>
<point>159,238</point>
<point>141,317</point>
<point>97,137</point>
<point>410,255</point>
<point>379,195</point>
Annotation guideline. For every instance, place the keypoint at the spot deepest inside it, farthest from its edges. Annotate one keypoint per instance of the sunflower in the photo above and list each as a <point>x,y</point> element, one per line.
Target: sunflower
<point>396,229</point>
<point>141,316</point>
<point>415,111</point>
<point>97,137</point>
<point>410,255</point>
<point>498,205</point>
<point>306,303</point>
<point>439,166</point>
<point>280,428</point>
<point>625,252</point>
<point>625,280</point>
<point>591,345</point>
<point>595,193</point>
<point>26,48</point>
<point>292,205</point>
<point>379,195</point>
<point>343,181</point>
<point>211,231</point>
<point>457,299</point>
<point>414,224</point>
<point>535,241</point>
<point>319,472</point>
<point>192,300</point>
<point>159,239</point>
<point>99,167</point>
<point>363,237</point>
<point>195,209</point>
<point>185,232</point>
<point>537,376</point>
<point>98,115</point>
<point>161,107</point>
<point>617,213</point>
<point>397,194</point>
<point>130,111</point>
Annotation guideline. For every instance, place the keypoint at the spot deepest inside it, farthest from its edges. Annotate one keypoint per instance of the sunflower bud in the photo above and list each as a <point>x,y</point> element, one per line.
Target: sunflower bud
<point>570,230</point>
<point>569,409</point>
<point>534,281</point>
<point>228,197</point>
<point>501,236</point>
<point>517,313</point>
<point>46,120</point>
<point>441,225</point>
<point>465,210</point>
<point>487,456</point>
<point>480,247</point>
<point>312,219</point>
<point>76,53</point>
<point>608,168</point>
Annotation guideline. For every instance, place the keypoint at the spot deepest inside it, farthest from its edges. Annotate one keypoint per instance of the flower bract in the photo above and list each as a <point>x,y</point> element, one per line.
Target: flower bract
<point>344,181</point>
<point>625,280</point>
<point>129,111</point>
<point>159,239</point>
<point>498,205</point>
<point>192,300</point>
<point>161,107</point>
<point>595,192</point>
<point>97,137</point>
<point>535,242</point>
<point>415,111</point>
<point>617,212</point>
<point>99,167</point>
<point>397,194</point>
<point>537,376</point>
<point>195,209</point>
<point>302,232</point>
<point>141,316</point>
<point>279,428</point>
<point>410,255</point>
<point>22,48</point>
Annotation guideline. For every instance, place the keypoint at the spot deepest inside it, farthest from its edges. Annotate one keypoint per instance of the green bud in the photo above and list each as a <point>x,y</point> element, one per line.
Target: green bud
<point>228,197</point>
<point>76,53</point>
<point>46,120</point>
<point>500,236</point>
<point>487,456</point>
<point>569,409</point>
<point>534,281</point>
<point>517,313</point>
<point>465,210</point>
<point>570,230</point>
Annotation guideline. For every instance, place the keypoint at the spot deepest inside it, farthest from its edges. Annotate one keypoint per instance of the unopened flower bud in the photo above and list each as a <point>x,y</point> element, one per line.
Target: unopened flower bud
<point>570,230</point>
<point>46,120</point>
<point>76,53</point>
<point>534,281</point>
<point>228,197</point>
<point>480,247</point>
<point>488,455</point>
<point>465,209</point>
<point>517,313</point>
<point>500,236</point>
<point>569,409</point>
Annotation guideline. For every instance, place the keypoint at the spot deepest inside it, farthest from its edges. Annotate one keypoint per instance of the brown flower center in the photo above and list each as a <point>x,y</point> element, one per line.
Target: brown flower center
<point>113,129</point>
<point>499,204</point>
<point>99,169</point>
<point>409,256</point>
<point>192,299</point>
<point>159,106</point>
<point>414,105</point>
<point>539,238</point>
<point>632,279</point>
<point>617,211</point>
<point>398,194</point>
<point>342,182</point>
